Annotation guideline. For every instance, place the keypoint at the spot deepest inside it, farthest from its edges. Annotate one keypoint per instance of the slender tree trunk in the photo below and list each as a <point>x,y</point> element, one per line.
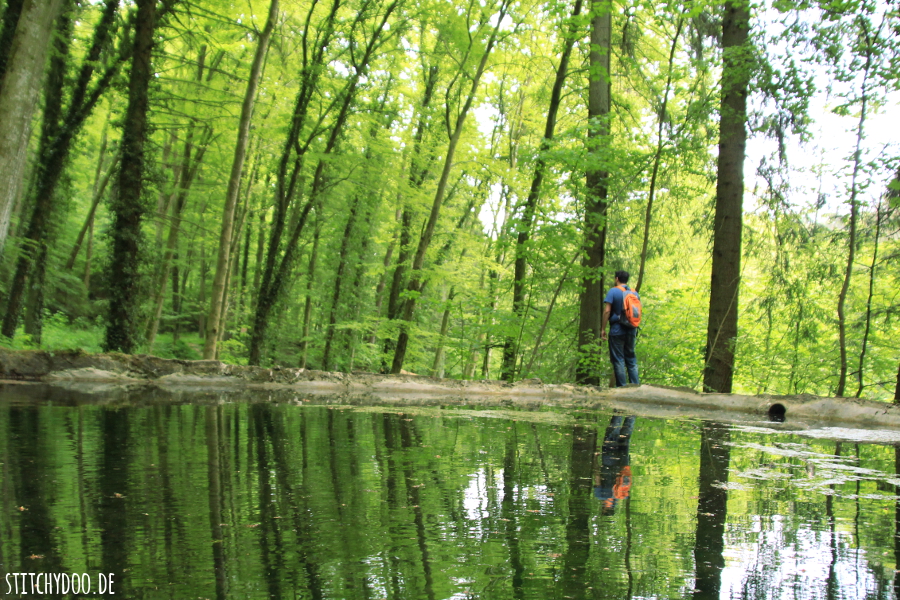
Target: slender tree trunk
<point>537,342</point>
<point>338,279</point>
<point>128,208</point>
<point>34,309</point>
<point>591,302</point>
<point>307,308</point>
<point>437,368</point>
<point>86,278</point>
<point>718,372</point>
<point>382,281</point>
<point>865,340</point>
<point>526,223</point>
<point>19,89</point>
<point>89,219</point>
<point>415,281</point>
<point>657,157</point>
<point>190,165</point>
<point>897,388</point>
<point>854,216</point>
<point>234,183</point>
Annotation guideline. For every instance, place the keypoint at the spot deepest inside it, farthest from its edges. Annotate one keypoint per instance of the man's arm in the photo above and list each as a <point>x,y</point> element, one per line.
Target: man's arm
<point>607,308</point>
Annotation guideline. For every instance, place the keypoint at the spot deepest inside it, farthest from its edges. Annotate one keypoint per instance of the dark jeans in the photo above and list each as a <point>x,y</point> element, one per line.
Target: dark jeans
<point>621,354</point>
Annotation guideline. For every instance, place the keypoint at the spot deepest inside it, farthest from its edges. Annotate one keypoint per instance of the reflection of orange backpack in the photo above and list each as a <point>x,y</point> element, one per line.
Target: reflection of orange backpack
<point>631,308</point>
<point>623,483</point>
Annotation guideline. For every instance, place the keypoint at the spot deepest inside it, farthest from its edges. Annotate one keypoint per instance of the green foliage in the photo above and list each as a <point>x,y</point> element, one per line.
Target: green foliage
<point>663,124</point>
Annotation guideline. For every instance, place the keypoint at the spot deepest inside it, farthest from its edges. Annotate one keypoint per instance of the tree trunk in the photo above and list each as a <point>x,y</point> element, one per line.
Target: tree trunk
<point>89,219</point>
<point>189,167</point>
<point>19,89</point>
<point>234,183</point>
<point>526,223</point>
<point>594,259</point>
<point>537,342</point>
<point>718,372</point>
<point>854,216</point>
<point>8,32</point>
<point>338,279</point>
<point>128,208</point>
<point>307,308</point>
<point>419,260</point>
<point>47,176</point>
<point>865,340</point>
<point>657,157</point>
<point>897,388</point>
<point>34,309</point>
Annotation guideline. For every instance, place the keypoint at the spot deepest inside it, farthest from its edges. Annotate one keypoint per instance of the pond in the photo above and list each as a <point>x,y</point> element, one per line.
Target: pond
<point>310,498</point>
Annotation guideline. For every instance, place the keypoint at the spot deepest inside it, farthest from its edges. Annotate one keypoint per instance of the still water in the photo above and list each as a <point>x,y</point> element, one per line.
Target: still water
<point>206,498</point>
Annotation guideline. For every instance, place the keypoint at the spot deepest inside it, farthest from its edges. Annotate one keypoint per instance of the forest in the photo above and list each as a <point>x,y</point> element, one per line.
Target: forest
<point>446,188</point>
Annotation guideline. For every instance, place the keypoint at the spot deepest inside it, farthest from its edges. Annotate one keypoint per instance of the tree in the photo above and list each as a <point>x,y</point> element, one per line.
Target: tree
<point>128,205</point>
<point>524,224</point>
<point>213,323</point>
<point>596,193</point>
<point>721,337</point>
<point>20,77</point>
<point>415,277</point>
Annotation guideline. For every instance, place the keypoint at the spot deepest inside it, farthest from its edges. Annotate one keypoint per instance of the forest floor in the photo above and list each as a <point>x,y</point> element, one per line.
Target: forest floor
<point>83,377</point>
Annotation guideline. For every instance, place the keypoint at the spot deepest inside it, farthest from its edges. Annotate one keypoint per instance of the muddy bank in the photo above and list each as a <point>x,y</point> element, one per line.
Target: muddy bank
<point>118,378</point>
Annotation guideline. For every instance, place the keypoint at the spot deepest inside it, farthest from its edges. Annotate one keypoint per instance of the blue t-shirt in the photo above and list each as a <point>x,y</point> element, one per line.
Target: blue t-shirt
<point>616,299</point>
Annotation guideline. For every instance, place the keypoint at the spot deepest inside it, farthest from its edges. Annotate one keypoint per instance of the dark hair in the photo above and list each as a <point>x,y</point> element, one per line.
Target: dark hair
<point>622,276</point>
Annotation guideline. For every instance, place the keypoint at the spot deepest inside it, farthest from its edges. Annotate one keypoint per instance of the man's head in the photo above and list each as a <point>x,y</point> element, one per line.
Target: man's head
<point>622,276</point>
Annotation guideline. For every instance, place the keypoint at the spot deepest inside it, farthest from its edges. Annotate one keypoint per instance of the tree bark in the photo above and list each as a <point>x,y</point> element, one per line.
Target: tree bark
<point>415,281</point>
<point>128,208</point>
<point>595,202</point>
<point>213,323</point>
<point>19,89</point>
<point>8,32</point>
<point>718,373</point>
<point>42,204</point>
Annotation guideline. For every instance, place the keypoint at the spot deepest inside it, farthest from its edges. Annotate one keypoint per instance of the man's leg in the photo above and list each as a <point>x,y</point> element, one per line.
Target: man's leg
<point>630,358</point>
<point>617,358</point>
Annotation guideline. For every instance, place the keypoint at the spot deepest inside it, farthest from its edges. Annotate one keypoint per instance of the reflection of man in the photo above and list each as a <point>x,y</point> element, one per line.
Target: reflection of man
<point>612,473</point>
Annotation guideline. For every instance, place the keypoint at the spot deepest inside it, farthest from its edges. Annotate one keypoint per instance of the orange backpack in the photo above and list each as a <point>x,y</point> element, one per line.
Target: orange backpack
<point>631,308</point>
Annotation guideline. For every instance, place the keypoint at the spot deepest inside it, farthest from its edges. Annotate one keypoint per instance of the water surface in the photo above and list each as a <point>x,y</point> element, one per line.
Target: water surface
<point>208,498</point>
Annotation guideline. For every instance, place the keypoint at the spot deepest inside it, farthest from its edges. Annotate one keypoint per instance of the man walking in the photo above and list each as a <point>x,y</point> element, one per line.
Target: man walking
<point>622,334</point>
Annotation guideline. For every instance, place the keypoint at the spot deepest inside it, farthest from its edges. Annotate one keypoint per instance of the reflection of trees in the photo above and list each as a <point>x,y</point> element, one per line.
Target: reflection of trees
<point>31,452</point>
<point>709,542</point>
<point>897,517</point>
<point>215,499</point>
<point>578,542</point>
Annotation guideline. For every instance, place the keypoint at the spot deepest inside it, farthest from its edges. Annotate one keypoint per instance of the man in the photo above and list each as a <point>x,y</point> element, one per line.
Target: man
<point>621,336</point>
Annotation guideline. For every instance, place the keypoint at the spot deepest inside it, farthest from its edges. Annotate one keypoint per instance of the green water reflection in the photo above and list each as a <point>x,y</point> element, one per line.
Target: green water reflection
<point>303,500</point>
